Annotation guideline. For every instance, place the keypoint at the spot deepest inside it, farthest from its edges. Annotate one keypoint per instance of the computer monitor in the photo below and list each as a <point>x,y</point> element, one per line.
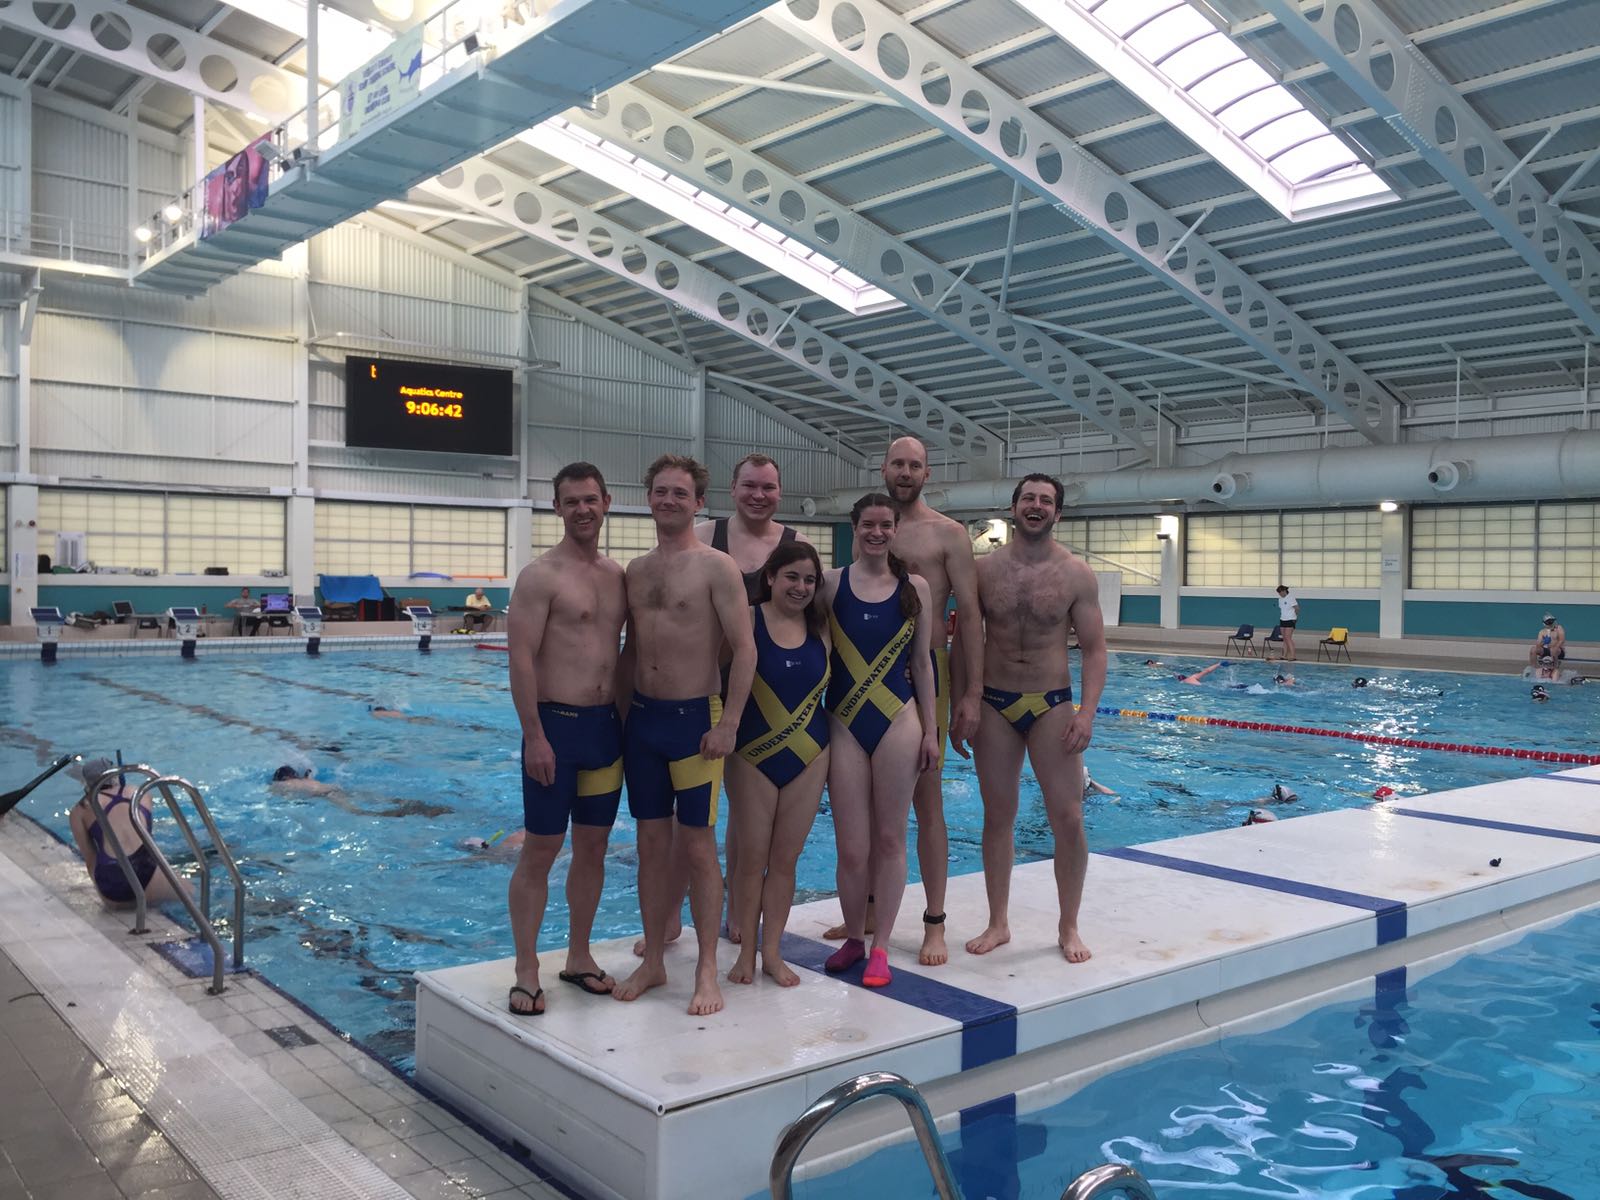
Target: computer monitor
<point>277,602</point>
<point>122,608</point>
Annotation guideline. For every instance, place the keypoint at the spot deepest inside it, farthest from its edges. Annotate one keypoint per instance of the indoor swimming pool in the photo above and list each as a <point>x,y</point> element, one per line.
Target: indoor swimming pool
<point>349,894</point>
<point>1479,1082</point>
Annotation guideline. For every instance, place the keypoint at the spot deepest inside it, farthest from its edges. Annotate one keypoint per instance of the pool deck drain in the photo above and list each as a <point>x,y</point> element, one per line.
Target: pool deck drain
<point>210,1092</point>
<point>643,1102</point>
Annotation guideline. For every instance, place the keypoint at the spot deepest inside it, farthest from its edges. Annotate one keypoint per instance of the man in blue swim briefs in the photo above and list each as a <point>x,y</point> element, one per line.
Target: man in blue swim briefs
<point>1036,596</point>
<point>564,628</point>
<point>684,601</point>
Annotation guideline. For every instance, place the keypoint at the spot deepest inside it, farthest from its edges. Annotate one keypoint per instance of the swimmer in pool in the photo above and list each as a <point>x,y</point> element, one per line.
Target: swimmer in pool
<point>1090,785</point>
<point>496,845</point>
<point>115,795</point>
<point>1258,816</point>
<point>1279,795</point>
<point>563,626</point>
<point>1284,680</point>
<point>290,779</point>
<point>684,601</point>
<point>1199,676</point>
<point>1034,594</point>
<point>1154,662</point>
<point>1539,694</point>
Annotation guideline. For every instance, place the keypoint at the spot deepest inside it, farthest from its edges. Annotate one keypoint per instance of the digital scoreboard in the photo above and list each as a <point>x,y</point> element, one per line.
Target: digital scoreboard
<point>392,404</point>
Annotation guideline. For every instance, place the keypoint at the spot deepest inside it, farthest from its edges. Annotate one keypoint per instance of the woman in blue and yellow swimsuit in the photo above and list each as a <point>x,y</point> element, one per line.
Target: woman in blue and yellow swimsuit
<point>882,727</point>
<point>775,775</point>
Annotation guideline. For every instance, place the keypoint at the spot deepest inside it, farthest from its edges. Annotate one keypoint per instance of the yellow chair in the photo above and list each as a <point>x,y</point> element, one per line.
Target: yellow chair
<point>1339,640</point>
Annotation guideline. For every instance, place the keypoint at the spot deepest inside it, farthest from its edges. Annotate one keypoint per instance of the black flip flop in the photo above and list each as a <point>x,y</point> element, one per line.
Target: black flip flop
<point>533,998</point>
<point>580,979</point>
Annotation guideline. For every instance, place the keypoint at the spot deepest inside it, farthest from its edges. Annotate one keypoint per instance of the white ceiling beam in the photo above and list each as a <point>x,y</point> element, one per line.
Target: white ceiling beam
<point>876,45</point>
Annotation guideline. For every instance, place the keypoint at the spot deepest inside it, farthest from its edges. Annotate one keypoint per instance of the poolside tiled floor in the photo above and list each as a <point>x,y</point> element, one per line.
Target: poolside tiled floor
<point>121,1077</point>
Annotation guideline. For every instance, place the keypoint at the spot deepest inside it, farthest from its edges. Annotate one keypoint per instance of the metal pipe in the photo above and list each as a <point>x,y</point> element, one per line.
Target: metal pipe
<point>1186,359</point>
<point>875,1083</point>
<point>1011,241</point>
<point>1109,1178</point>
<point>1184,237</point>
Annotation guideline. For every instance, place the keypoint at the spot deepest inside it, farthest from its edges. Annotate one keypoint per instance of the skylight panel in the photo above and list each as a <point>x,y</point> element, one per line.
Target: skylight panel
<point>681,200</point>
<point>1175,60</point>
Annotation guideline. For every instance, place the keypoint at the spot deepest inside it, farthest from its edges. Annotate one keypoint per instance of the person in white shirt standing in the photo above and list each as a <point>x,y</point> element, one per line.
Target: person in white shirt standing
<point>1288,614</point>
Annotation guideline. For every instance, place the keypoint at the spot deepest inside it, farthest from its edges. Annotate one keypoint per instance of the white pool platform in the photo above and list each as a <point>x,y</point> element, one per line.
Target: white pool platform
<point>640,1101</point>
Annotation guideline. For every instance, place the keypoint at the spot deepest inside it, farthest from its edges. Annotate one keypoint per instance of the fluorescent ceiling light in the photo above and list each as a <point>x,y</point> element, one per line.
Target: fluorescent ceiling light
<point>343,42</point>
<point>1196,77</point>
<point>716,218</point>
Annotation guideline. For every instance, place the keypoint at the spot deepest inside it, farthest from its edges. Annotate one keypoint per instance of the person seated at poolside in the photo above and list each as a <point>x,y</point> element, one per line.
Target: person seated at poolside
<point>482,610</point>
<point>1548,669</point>
<point>1551,642</point>
<point>116,800</point>
<point>291,779</point>
<point>1199,676</point>
<point>241,604</point>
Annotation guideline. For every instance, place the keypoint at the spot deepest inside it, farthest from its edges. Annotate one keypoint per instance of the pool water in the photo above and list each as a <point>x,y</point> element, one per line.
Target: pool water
<point>349,896</point>
<point>1480,1082</point>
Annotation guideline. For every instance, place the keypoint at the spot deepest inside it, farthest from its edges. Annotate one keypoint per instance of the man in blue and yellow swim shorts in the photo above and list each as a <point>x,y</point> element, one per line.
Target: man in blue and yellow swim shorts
<point>563,629</point>
<point>684,600</point>
<point>1035,594</point>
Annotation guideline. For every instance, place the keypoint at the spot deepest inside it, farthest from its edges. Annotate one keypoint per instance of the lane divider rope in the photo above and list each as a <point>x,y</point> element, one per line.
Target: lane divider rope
<point>1556,756</point>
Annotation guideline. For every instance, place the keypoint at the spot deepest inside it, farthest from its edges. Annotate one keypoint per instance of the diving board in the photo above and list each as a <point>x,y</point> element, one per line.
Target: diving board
<point>510,78</point>
<point>642,1101</point>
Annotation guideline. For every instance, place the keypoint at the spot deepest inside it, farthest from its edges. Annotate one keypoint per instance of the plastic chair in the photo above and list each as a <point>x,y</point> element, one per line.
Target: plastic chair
<point>1337,640</point>
<point>1244,640</point>
<point>1271,641</point>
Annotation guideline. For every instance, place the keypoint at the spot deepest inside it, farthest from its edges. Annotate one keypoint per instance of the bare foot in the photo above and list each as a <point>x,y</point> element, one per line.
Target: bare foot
<point>933,953</point>
<point>743,971</point>
<point>640,982</point>
<point>995,935</point>
<point>778,970</point>
<point>707,998</point>
<point>674,932</point>
<point>1072,946</point>
<point>839,932</point>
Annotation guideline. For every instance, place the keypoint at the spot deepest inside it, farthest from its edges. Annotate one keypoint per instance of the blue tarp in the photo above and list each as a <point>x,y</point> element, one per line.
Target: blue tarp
<point>347,589</point>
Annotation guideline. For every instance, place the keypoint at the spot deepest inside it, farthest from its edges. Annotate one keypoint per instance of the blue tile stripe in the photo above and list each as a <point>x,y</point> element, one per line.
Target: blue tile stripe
<point>1508,826</point>
<point>1391,914</point>
<point>1568,779</point>
<point>988,1027</point>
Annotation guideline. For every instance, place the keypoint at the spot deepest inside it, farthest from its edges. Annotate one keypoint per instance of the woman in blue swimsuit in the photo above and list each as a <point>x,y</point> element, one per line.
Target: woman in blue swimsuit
<point>116,801</point>
<point>775,775</point>
<point>882,727</point>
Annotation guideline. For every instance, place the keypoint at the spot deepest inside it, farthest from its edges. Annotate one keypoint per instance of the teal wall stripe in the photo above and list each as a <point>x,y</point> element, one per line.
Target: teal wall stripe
<point>1358,616</point>
<point>1487,619</point>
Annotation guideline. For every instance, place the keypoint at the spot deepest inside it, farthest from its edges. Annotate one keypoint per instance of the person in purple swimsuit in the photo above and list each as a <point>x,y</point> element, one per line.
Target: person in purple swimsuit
<point>99,858</point>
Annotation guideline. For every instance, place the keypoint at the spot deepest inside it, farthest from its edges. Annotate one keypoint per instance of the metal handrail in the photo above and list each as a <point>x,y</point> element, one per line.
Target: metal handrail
<point>1109,1178</point>
<point>201,914</point>
<point>875,1083</point>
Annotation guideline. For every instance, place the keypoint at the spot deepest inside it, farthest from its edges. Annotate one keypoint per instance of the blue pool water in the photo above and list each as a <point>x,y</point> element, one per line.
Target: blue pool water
<point>349,897</point>
<point>1478,1083</point>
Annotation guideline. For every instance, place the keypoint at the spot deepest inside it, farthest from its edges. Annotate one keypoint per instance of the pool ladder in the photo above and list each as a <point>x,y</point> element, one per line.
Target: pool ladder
<point>163,785</point>
<point>1101,1181</point>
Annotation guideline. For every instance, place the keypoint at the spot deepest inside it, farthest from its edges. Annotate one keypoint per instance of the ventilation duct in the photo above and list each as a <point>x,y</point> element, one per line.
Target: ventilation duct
<point>1532,466</point>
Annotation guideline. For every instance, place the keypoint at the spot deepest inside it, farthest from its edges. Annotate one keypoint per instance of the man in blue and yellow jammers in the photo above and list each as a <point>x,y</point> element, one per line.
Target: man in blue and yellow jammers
<point>684,601</point>
<point>1035,596</point>
<point>563,629</point>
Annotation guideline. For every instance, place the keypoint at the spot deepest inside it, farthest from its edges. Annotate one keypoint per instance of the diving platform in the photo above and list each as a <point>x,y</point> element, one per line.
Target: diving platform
<point>1191,938</point>
<point>501,81</point>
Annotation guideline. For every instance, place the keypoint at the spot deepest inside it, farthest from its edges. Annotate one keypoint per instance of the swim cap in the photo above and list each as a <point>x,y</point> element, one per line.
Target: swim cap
<point>1259,816</point>
<point>1279,678</point>
<point>285,772</point>
<point>1382,792</point>
<point>474,843</point>
<point>1549,618</point>
<point>1360,681</point>
<point>91,769</point>
<point>1539,693</point>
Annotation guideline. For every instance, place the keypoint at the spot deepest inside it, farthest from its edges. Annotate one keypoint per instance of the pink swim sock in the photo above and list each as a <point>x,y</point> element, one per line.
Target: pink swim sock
<point>877,973</point>
<point>846,956</point>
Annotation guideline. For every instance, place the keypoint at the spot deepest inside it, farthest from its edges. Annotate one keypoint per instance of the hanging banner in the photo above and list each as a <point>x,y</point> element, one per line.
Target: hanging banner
<point>387,82</point>
<point>234,188</point>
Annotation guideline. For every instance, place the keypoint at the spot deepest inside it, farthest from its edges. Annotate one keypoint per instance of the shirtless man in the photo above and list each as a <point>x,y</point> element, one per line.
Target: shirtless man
<point>937,548</point>
<point>684,601</point>
<point>563,627</point>
<point>1036,596</point>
